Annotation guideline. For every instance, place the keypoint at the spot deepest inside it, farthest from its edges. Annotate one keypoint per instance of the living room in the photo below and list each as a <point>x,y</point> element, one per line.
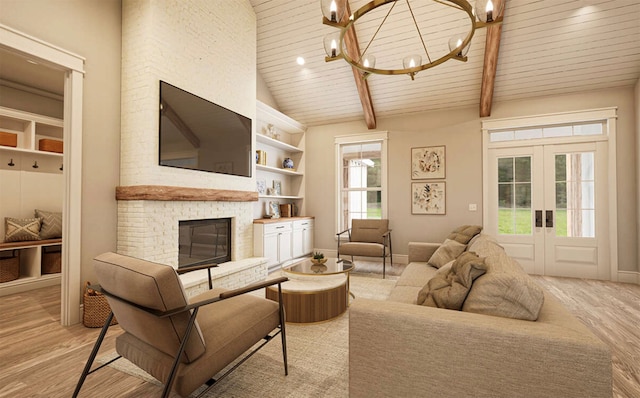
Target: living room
<point>98,32</point>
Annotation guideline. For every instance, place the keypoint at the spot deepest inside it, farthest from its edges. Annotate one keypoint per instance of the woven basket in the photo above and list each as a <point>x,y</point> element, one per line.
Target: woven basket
<point>9,265</point>
<point>51,260</point>
<point>96,309</point>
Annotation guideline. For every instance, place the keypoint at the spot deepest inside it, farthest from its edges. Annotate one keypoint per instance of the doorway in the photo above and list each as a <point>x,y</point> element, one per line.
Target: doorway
<point>548,195</point>
<point>72,66</point>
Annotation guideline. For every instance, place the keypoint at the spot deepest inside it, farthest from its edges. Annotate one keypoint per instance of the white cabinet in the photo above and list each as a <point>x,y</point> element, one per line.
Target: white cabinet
<point>302,240</point>
<point>283,239</point>
<point>273,241</point>
<point>279,137</point>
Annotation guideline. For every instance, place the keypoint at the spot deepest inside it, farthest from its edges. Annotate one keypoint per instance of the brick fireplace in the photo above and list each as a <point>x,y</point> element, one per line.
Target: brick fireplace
<point>152,199</point>
<point>148,228</point>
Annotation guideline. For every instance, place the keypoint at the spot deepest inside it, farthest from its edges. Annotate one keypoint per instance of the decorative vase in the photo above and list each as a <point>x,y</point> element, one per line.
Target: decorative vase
<point>287,163</point>
<point>318,261</point>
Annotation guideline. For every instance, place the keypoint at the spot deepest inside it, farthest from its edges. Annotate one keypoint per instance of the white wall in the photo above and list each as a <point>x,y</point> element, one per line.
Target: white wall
<point>459,131</point>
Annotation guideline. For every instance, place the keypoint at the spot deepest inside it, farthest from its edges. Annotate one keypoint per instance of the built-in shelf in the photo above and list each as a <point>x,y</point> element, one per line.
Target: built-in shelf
<point>277,144</point>
<point>278,170</point>
<point>280,197</point>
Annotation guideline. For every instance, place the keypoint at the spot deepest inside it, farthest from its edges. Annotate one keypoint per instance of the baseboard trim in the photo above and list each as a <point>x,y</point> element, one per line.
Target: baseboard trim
<point>629,277</point>
<point>397,258</point>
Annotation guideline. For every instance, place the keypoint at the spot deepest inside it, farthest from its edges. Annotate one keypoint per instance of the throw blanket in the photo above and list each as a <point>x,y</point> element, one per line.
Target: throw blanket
<point>449,287</point>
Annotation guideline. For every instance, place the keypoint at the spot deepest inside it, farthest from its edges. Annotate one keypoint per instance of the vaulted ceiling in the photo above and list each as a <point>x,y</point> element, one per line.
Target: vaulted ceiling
<point>546,47</point>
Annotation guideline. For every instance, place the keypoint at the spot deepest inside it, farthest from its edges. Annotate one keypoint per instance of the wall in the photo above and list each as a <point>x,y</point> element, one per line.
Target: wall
<point>459,131</point>
<point>89,28</point>
<point>205,48</point>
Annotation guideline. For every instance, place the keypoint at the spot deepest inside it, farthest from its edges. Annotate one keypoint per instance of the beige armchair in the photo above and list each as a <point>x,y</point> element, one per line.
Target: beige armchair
<point>367,238</point>
<point>182,344</point>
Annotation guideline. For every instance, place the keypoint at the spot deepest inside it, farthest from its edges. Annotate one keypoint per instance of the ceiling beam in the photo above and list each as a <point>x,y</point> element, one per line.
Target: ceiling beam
<point>353,50</point>
<point>492,47</point>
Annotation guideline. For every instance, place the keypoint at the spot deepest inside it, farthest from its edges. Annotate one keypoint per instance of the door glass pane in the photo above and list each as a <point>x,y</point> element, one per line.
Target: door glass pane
<point>575,195</point>
<point>558,131</point>
<point>523,169</point>
<point>505,170</point>
<point>514,196</point>
<point>588,129</point>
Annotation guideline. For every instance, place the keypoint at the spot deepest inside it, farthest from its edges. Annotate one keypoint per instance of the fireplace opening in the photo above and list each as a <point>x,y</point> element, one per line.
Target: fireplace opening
<point>204,242</point>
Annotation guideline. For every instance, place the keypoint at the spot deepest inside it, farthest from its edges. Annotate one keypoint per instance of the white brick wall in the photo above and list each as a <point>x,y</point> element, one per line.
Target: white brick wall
<point>149,229</point>
<point>207,48</point>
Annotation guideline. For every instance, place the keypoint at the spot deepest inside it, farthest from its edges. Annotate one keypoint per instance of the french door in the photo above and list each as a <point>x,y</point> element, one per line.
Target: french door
<point>548,207</point>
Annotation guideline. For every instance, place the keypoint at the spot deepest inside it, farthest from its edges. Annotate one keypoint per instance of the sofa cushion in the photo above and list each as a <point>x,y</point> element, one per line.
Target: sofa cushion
<point>416,274</point>
<point>464,233</point>
<point>505,290</point>
<point>449,289</point>
<point>448,251</point>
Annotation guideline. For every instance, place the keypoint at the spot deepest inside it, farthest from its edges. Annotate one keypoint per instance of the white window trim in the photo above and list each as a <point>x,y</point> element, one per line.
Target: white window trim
<point>608,115</point>
<point>357,138</point>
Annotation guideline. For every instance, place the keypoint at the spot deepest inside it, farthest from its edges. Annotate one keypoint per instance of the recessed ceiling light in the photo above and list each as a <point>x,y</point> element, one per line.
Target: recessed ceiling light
<point>300,61</point>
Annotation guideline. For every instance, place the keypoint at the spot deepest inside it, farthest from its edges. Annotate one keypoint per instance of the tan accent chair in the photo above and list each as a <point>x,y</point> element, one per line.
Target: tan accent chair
<point>367,238</point>
<point>181,343</point>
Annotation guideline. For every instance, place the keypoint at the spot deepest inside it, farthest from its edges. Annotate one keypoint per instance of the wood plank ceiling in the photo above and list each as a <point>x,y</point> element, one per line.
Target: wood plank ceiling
<point>546,47</point>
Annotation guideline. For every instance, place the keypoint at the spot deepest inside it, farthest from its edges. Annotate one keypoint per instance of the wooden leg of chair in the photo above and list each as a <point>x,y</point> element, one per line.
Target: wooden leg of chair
<point>92,356</point>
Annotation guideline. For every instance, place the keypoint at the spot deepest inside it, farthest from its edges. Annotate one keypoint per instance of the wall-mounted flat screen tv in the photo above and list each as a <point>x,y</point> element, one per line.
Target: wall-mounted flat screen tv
<point>197,134</point>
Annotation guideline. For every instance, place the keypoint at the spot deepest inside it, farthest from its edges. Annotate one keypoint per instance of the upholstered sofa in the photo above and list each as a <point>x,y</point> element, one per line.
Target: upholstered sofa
<point>398,348</point>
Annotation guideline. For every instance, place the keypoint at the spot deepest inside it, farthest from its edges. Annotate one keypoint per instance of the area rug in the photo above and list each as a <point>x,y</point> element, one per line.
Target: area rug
<point>373,268</point>
<point>318,357</point>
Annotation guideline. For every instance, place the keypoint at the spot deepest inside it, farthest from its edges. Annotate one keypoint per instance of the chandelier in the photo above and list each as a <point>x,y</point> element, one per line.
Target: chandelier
<point>480,16</point>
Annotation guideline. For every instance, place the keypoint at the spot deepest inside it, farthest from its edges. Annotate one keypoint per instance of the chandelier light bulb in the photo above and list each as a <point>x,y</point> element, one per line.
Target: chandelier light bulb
<point>333,11</point>
<point>334,47</point>
<point>411,61</point>
<point>489,10</point>
<point>369,61</point>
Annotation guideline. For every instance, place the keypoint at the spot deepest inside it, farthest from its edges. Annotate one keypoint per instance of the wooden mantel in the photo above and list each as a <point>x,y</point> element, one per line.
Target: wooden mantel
<point>170,193</point>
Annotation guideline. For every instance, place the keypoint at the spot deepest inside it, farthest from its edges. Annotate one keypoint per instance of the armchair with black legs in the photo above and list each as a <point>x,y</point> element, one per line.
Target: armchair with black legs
<point>367,238</point>
<point>182,343</point>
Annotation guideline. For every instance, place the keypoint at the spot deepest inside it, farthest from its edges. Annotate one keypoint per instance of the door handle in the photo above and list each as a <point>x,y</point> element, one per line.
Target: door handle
<point>538,218</point>
<point>549,219</point>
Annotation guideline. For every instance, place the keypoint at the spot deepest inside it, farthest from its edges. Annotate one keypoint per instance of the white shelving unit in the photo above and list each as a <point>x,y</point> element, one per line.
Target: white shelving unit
<point>289,144</point>
<point>23,191</point>
<point>30,128</point>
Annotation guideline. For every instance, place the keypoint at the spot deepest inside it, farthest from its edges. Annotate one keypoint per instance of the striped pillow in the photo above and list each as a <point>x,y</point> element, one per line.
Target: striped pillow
<point>51,224</point>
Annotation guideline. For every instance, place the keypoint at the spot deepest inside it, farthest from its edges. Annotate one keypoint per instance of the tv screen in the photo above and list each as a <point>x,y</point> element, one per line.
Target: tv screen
<point>200,135</point>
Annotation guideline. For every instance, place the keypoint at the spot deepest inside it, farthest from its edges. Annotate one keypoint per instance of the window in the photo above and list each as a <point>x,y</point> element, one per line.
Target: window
<point>552,131</point>
<point>361,178</point>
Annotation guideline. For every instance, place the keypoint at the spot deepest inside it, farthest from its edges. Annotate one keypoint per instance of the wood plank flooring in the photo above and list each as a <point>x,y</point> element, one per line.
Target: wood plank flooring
<point>40,358</point>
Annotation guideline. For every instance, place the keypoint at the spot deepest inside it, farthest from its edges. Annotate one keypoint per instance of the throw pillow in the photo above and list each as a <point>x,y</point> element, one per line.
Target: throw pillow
<point>464,233</point>
<point>505,290</point>
<point>51,224</point>
<point>449,289</point>
<point>19,229</point>
<point>447,251</point>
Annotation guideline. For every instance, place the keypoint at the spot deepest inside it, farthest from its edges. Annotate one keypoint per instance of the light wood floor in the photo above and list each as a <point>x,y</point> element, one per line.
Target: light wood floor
<point>40,358</point>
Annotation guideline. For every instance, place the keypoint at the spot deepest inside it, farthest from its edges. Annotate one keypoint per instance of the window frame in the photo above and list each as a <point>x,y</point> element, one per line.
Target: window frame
<point>353,139</point>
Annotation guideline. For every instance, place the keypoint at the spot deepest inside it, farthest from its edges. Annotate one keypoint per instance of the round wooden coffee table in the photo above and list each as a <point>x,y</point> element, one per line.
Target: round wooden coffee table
<point>314,292</point>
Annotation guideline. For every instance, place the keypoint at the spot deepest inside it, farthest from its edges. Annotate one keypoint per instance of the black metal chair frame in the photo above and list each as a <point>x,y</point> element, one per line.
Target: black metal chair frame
<point>387,239</point>
<point>194,307</point>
